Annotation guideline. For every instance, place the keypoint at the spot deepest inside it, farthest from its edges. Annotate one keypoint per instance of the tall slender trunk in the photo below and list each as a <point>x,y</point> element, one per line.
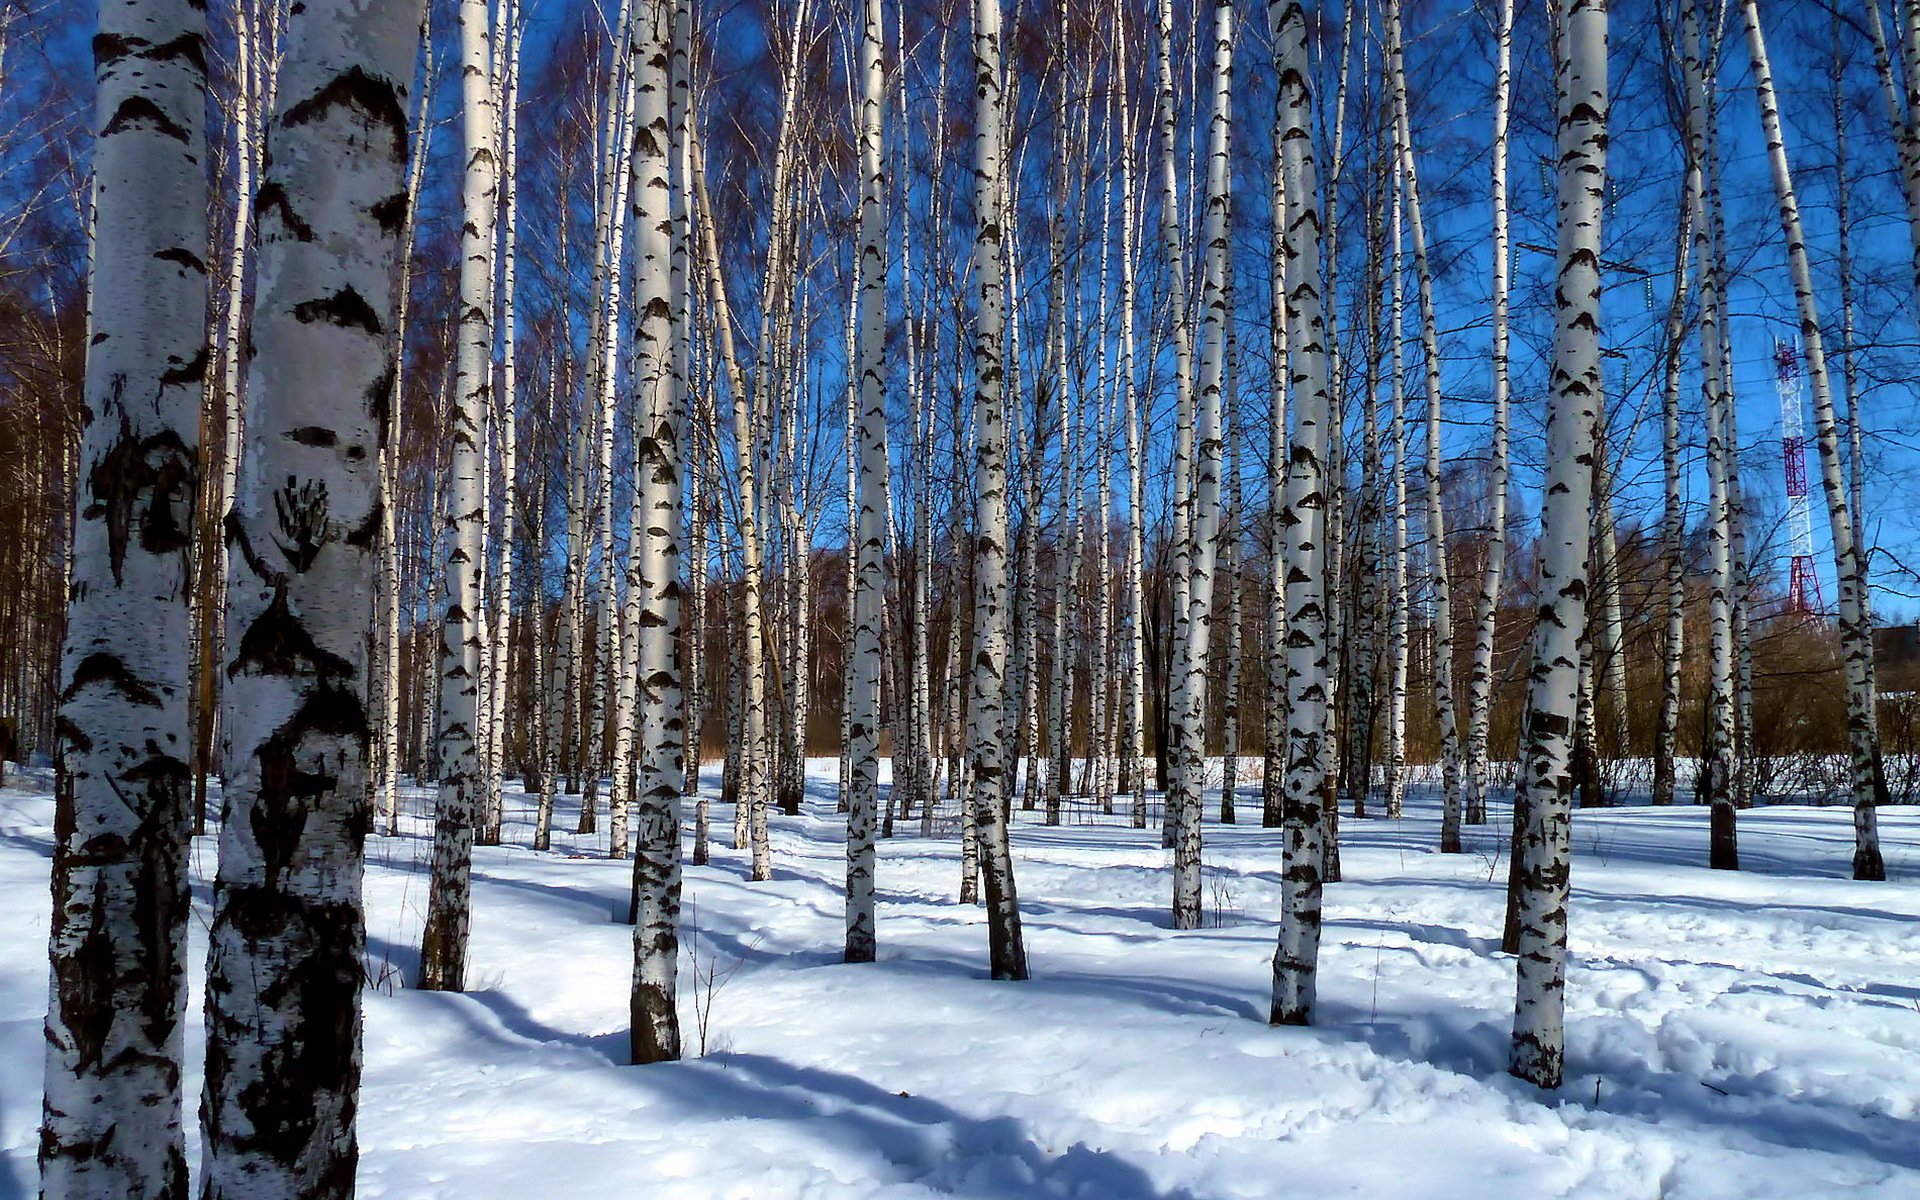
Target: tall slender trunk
<point>1296,957</point>
<point>1273,769</point>
<point>1900,114</point>
<point>1487,605</point>
<point>1181,334</point>
<point>1007,949</point>
<point>217,485</point>
<point>1436,556</point>
<point>1192,627</point>
<point>1673,528</point>
<point>110,1122</point>
<point>660,273</point>
<point>386,713</point>
<point>1133,748</point>
<point>500,669</point>
<point>443,952</point>
<point>750,809</point>
<point>870,523</point>
<point>1398,602</point>
<point>1856,635</point>
<point>1539,1015</point>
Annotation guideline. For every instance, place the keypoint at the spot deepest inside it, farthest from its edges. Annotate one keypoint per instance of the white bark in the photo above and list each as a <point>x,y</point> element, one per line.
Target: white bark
<point>1304,518</point>
<point>660,388</point>
<point>111,1124</point>
<point>1007,950</point>
<point>1274,767</point>
<point>499,669</point>
<point>1398,602</point>
<point>870,524</point>
<point>1436,556</point>
<point>1539,1035</point>
<point>386,779</point>
<point>1193,634</point>
<point>443,954</point>
<point>750,809</point>
<point>288,935</point>
<point>1674,521</point>
<point>1487,604</point>
<point>1856,636</point>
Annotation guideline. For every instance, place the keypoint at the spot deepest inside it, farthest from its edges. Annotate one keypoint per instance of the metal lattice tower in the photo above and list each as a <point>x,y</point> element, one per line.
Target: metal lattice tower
<point>1803,586</point>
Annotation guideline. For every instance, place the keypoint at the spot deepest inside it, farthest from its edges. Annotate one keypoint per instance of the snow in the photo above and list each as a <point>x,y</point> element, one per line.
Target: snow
<point>1730,1035</point>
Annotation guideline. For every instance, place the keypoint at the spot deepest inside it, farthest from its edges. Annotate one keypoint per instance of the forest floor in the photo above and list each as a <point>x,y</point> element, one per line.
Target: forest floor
<point>1729,1035</point>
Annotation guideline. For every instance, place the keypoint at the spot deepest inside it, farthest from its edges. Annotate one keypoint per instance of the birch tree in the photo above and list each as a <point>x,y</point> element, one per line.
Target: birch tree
<point>660,386</point>
<point>110,1122</point>
<point>1856,637</point>
<point>1580,71</point>
<point>443,952</point>
<point>1304,519</point>
<point>499,665</point>
<point>1717,765</point>
<point>1436,556</point>
<point>288,937</point>
<point>1487,603</point>
<point>1192,633</point>
<point>869,529</point>
<point>1007,948</point>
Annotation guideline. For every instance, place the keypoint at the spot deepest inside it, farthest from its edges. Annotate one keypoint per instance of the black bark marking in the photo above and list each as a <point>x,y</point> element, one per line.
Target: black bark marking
<point>191,372</point>
<point>277,643</point>
<point>183,256</point>
<point>138,110</point>
<point>110,669</point>
<point>390,213</point>
<point>147,484</point>
<point>272,198</point>
<point>304,527</point>
<point>188,46</point>
<point>159,890</point>
<point>345,308</point>
<point>312,435</point>
<point>110,46</point>
<point>375,100</point>
<point>367,532</point>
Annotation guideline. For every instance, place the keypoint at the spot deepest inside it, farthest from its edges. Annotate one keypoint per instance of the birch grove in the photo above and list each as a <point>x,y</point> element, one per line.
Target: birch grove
<point>450,428</point>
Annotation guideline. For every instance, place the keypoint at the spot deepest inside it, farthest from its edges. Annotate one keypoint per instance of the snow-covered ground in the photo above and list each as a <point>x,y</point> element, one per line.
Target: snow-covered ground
<point>1730,1035</point>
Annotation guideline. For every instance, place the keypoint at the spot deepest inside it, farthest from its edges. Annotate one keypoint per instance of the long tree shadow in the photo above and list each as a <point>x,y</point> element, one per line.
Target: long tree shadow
<point>1609,1080</point>
<point>924,1141</point>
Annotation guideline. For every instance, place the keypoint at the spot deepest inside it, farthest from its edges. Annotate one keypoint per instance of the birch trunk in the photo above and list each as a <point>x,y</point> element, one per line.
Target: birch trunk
<point>1273,769</point>
<point>1487,605</point>
<point>1398,602</point>
<point>1436,556</point>
<point>1674,521</point>
<point>750,809</point>
<point>1856,637</point>
<point>1539,1035</point>
<point>1192,633</point>
<point>660,387</point>
<point>1133,747</point>
<point>443,951</point>
<point>1007,950</point>
<point>499,670</point>
<point>110,1123</point>
<point>1304,518</point>
<point>1181,335</point>
<point>870,524</point>
<point>288,934</point>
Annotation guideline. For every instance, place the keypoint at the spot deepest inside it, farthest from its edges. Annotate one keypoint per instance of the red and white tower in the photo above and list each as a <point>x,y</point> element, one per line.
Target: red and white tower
<point>1803,586</point>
